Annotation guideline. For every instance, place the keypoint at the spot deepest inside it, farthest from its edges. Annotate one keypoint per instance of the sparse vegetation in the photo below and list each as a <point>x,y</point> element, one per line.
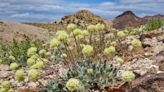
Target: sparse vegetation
<point>16,51</point>
<point>86,58</point>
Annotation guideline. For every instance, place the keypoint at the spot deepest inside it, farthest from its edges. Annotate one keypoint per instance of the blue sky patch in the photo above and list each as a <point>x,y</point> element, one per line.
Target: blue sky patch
<point>50,10</point>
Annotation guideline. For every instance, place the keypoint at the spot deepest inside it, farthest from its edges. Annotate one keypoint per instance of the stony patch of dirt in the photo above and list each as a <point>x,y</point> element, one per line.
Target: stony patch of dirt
<point>10,30</point>
<point>148,83</point>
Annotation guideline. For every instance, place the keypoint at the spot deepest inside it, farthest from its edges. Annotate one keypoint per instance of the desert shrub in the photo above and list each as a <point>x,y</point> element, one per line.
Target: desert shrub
<point>86,53</point>
<point>90,75</point>
<point>150,25</point>
<point>153,24</point>
<point>162,23</point>
<point>17,51</point>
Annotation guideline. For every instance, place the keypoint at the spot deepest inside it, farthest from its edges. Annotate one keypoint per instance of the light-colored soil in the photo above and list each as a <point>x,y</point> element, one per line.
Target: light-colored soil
<point>10,30</point>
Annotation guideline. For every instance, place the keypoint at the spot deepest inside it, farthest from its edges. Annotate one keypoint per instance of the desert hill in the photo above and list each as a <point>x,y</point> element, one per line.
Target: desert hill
<point>10,30</point>
<point>158,16</point>
<point>82,18</point>
<point>129,20</point>
<point>126,20</point>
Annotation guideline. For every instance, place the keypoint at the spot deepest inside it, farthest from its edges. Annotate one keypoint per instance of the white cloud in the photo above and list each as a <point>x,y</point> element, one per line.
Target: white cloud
<point>20,15</point>
<point>53,9</point>
<point>108,4</point>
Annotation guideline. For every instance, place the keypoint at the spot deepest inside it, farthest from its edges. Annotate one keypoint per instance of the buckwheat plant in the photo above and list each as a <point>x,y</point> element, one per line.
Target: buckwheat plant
<point>84,77</point>
<point>87,55</point>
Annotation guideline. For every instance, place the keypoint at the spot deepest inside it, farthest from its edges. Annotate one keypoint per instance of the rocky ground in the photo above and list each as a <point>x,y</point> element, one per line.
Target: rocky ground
<point>147,63</point>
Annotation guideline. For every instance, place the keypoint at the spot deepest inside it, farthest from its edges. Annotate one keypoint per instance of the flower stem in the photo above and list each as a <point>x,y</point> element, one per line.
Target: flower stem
<point>67,51</point>
<point>61,54</point>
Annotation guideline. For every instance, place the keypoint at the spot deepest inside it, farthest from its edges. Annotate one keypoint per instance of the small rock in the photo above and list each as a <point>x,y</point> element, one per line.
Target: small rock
<point>5,74</point>
<point>32,85</point>
<point>140,66</point>
<point>4,67</point>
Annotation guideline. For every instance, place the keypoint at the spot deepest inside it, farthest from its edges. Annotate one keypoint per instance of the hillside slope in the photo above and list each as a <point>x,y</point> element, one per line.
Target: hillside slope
<point>10,30</point>
<point>126,20</point>
<point>82,18</point>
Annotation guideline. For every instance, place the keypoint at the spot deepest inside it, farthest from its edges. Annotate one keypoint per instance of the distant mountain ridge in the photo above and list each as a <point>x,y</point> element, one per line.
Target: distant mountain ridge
<point>159,16</point>
<point>83,18</point>
<point>129,20</point>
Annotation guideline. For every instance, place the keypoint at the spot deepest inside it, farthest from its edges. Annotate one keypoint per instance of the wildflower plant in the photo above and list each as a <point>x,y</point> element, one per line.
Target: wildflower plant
<point>5,87</point>
<point>128,76</point>
<point>13,66</point>
<point>87,54</point>
<point>84,77</point>
<point>79,44</point>
<point>33,74</point>
<point>19,75</point>
<point>136,43</point>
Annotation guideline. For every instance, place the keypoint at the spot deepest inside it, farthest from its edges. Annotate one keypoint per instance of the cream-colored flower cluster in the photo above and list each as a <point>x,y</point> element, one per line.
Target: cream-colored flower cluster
<point>73,84</point>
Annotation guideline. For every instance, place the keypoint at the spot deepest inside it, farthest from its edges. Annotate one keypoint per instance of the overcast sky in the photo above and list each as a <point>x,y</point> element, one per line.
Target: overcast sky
<point>50,10</point>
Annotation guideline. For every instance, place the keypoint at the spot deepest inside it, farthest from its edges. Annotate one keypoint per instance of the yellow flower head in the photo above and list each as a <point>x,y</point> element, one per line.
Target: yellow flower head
<point>35,57</point>
<point>45,61</point>
<point>19,75</point>
<point>13,66</point>
<point>82,45</point>
<point>71,27</point>
<point>91,28</point>
<point>11,57</point>
<point>33,74</point>
<point>85,33</point>
<point>128,75</point>
<point>54,43</point>
<point>73,84</point>
<point>87,50</point>
<point>30,62</point>
<point>5,84</point>
<point>42,52</point>
<point>62,36</point>
<point>79,37</point>
<point>31,51</point>
<point>77,32</point>
<point>121,34</point>
<point>90,71</point>
<point>100,27</point>
<point>109,51</point>
<point>64,55</point>
<point>136,43</point>
<point>38,65</point>
<point>119,60</point>
<point>48,54</point>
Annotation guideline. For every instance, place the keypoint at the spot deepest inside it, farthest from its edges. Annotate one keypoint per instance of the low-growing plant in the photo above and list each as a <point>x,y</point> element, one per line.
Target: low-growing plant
<point>5,87</point>
<point>17,51</point>
<point>13,66</point>
<point>89,75</point>
<point>153,24</point>
<point>87,54</point>
<point>136,43</point>
<point>33,74</point>
<point>19,75</point>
